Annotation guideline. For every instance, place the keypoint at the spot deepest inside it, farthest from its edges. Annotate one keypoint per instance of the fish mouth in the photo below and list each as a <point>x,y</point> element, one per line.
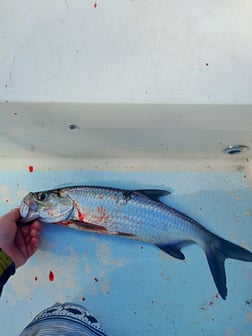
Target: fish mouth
<point>28,210</point>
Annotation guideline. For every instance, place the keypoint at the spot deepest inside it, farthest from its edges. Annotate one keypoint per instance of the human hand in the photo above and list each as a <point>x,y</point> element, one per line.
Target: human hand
<point>18,243</point>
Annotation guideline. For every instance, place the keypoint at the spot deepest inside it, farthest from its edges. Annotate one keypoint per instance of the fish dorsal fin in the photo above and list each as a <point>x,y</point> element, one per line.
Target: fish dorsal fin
<point>174,248</point>
<point>154,194</point>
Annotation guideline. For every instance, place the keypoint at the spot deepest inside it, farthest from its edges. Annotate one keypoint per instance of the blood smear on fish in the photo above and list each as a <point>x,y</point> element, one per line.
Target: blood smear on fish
<point>80,214</point>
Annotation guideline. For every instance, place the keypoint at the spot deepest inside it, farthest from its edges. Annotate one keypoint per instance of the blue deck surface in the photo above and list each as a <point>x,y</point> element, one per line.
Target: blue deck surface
<point>134,288</point>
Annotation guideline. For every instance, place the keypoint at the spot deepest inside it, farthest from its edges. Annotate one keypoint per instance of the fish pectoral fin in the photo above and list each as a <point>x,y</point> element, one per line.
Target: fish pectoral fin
<point>154,194</point>
<point>83,226</point>
<point>174,248</point>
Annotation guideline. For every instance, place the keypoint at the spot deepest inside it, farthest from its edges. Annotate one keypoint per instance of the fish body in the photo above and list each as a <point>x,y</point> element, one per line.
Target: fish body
<point>136,214</point>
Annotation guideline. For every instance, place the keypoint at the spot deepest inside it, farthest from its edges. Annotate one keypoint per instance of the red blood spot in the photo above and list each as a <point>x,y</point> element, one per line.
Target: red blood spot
<point>211,303</point>
<point>51,276</point>
<point>206,64</point>
<point>30,169</point>
<point>96,280</point>
<point>102,217</point>
<point>95,5</point>
<point>80,214</point>
<point>36,278</point>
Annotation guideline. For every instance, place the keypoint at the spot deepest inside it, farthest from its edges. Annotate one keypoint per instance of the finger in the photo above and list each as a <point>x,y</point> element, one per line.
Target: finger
<point>36,225</point>
<point>35,243</point>
<point>34,233</point>
<point>20,242</point>
<point>35,230</point>
<point>33,246</point>
<point>32,229</point>
<point>32,239</point>
<point>25,230</point>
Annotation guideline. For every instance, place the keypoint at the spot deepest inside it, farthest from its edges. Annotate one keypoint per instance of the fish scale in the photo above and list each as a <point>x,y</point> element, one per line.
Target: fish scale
<point>136,214</point>
<point>148,220</point>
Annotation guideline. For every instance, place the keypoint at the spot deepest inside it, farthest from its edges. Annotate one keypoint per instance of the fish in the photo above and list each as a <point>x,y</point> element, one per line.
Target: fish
<point>136,214</point>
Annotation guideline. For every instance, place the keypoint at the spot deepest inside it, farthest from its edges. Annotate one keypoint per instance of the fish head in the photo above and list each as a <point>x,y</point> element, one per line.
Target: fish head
<point>48,206</point>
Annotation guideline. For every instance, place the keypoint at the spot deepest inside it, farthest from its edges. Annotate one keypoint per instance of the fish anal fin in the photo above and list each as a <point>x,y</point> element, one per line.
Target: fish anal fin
<point>174,249</point>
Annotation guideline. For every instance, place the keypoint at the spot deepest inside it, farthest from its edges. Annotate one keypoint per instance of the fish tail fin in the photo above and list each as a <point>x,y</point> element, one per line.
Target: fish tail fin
<point>217,252</point>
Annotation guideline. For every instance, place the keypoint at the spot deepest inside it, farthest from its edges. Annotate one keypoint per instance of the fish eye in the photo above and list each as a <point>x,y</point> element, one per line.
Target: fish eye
<point>42,196</point>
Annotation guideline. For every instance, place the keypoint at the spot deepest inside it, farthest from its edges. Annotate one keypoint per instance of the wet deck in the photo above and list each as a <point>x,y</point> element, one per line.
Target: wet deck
<point>134,288</point>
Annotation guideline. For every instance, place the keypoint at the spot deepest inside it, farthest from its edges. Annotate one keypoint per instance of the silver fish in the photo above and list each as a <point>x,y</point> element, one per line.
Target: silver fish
<point>136,214</point>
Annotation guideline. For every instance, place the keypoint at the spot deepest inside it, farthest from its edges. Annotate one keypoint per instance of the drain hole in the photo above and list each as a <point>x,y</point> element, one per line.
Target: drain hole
<point>235,149</point>
<point>73,126</point>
